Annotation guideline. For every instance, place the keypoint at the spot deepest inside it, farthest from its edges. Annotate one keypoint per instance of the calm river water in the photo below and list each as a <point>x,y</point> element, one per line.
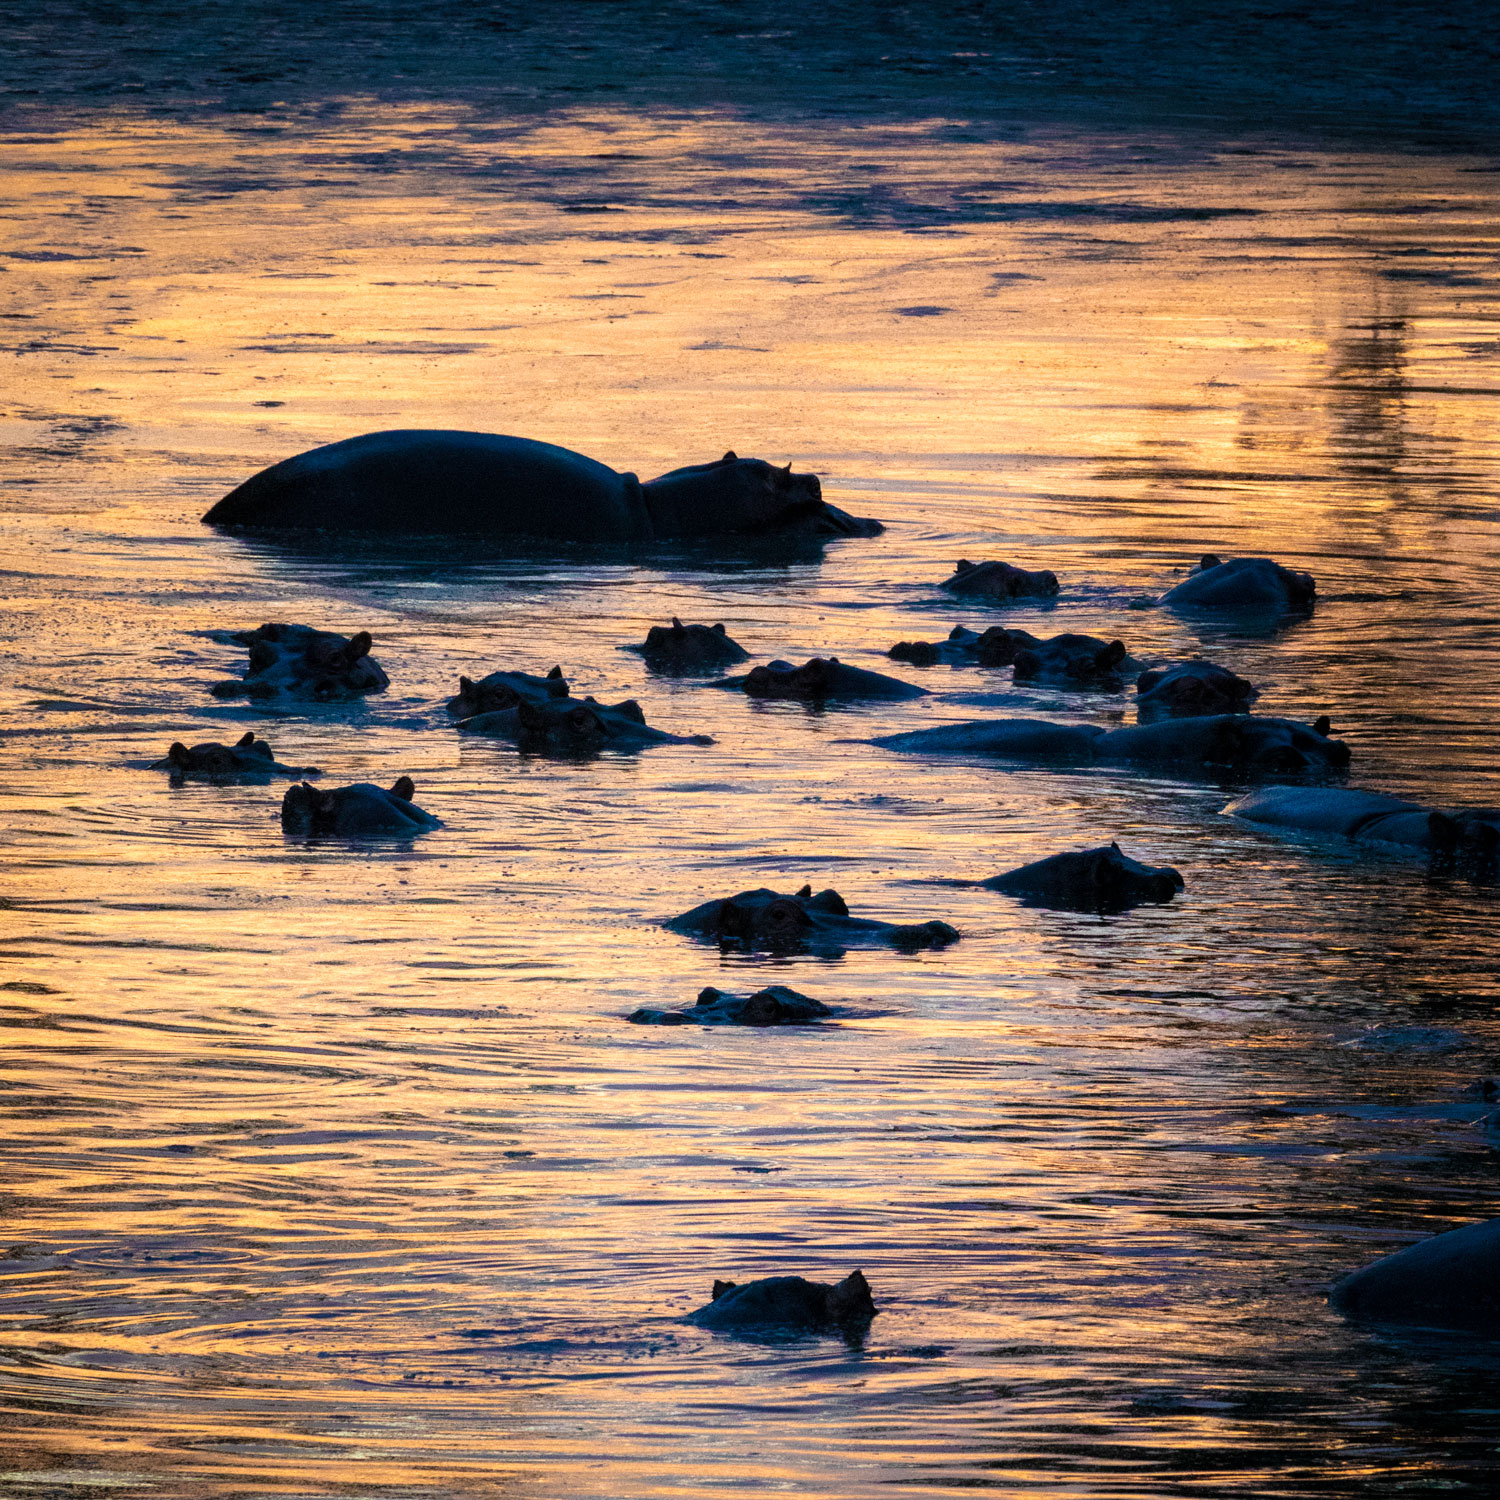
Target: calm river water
<point>337,1170</point>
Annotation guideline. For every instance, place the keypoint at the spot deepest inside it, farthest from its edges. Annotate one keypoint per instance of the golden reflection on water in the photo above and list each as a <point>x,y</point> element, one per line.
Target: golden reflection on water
<point>335,1168</point>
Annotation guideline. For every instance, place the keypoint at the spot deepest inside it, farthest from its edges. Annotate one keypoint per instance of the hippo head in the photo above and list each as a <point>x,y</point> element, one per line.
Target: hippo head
<point>1118,879</point>
<point>1281,746</point>
<point>813,679</point>
<point>746,497</point>
<point>561,726</point>
<point>215,759</point>
<point>306,810</point>
<point>850,1301</point>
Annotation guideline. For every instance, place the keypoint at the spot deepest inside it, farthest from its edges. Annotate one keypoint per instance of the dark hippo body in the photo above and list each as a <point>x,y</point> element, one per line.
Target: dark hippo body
<point>1189,689</point>
<point>1244,583</point>
<point>418,481</point>
<point>819,679</point>
<point>296,661</point>
<point>575,727</point>
<point>764,919</point>
<point>1000,580</point>
<point>995,647</point>
<point>505,690</point>
<point>789,1304</point>
<point>361,811</point>
<point>775,1005</point>
<point>1082,662</point>
<point>679,650</point>
<point>1243,741</point>
<point>1100,879</point>
<point>248,759</point>
<point>1451,1281</point>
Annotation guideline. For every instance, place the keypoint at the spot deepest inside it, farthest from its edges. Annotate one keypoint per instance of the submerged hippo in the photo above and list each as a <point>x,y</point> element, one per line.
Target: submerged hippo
<point>248,759</point>
<point>1000,580</point>
<point>1371,818</point>
<point>1188,689</point>
<point>818,679</point>
<point>775,1005</point>
<point>789,1304</point>
<point>765,919</point>
<point>1244,742</point>
<point>480,483</point>
<point>679,650</point>
<point>995,647</point>
<point>504,690</point>
<point>296,661</point>
<point>361,811</point>
<point>575,727</point>
<point>1450,1281</point>
<point>1075,661</point>
<point>1243,583</point>
<point>1101,879</point>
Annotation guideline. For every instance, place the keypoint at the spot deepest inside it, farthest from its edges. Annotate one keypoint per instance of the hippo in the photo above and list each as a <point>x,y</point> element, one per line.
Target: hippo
<point>1449,1281</point>
<point>679,650</point>
<point>999,580</point>
<point>1245,742</point>
<point>996,647</point>
<point>504,690</point>
<point>1243,584</point>
<point>567,726</point>
<point>361,811</point>
<point>1102,879</point>
<point>775,1005</point>
<point>789,1304</point>
<point>416,481</point>
<point>764,919</point>
<point>1189,689</point>
<point>1075,661</point>
<point>817,679</point>
<point>296,661</point>
<point>247,759</point>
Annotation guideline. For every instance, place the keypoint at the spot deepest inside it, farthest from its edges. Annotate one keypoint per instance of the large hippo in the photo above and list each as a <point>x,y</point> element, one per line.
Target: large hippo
<point>1102,879</point>
<point>478,483</point>
<point>679,650</point>
<point>566,726</point>
<point>1244,742</point>
<point>775,1005</point>
<point>248,759</point>
<point>819,679</point>
<point>1083,662</point>
<point>764,919</point>
<point>789,1304</point>
<point>504,689</point>
<point>296,661</point>
<point>1243,584</point>
<point>361,811</point>
<point>1189,689</point>
<point>1451,1281</point>
<point>1000,580</point>
<point>995,647</point>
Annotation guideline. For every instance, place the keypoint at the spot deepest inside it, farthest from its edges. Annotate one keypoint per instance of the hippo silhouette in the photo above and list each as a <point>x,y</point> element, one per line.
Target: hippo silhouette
<point>764,919</point>
<point>296,661</point>
<point>679,650</point>
<point>442,482</point>
<point>789,1304</point>
<point>995,647</point>
<point>775,1005</point>
<point>504,690</point>
<point>1100,879</point>
<point>246,760</point>
<point>1248,584</point>
<point>1450,1281</point>
<point>1244,742</point>
<point>1000,580</point>
<point>819,679</point>
<point>1075,661</point>
<point>361,811</point>
<point>1189,689</point>
<point>566,726</point>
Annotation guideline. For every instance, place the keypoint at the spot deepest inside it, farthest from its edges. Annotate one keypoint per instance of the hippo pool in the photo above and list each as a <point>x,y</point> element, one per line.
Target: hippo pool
<point>337,1168</point>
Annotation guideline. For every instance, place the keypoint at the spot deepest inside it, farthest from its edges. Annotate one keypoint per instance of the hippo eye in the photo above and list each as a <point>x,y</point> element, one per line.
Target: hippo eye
<point>783,915</point>
<point>582,721</point>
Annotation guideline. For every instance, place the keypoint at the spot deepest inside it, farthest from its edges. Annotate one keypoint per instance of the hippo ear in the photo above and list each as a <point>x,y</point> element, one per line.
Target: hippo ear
<point>805,892</point>
<point>719,630</point>
<point>465,685</point>
<point>554,673</point>
<point>961,564</point>
<point>720,1287</point>
<point>359,646</point>
<point>731,457</point>
<point>678,628</point>
<point>1113,654</point>
<point>404,787</point>
<point>1323,725</point>
<point>177,753</point>
<point>245,740</point>
<point>1115,847</point>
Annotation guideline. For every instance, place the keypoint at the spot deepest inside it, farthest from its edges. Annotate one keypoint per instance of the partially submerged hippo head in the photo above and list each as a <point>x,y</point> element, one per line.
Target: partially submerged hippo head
<point>355,812</point>
<point>766,919</point>
<point>789,1304</point>
<point>504,690</point>
<point>821,678</point>
<point>1079,661</point>
<point>1243,584</point>
<point>1000,580</point>
<point>1103,879</point>
<point>299,662</point>
<point>678,648</point>
<point>570,726</point>
<point>996,647</point>
<point>745,497</point>
<point>776,1005</point>
<point>1189,689</point>
<point>248,757</point>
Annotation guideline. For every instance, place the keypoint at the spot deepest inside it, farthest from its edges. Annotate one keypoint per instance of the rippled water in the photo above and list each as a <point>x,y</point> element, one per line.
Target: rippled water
<point>337,1170</point>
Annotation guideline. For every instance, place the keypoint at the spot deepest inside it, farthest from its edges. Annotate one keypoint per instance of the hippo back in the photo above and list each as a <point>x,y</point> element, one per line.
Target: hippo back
<point>418,481</point>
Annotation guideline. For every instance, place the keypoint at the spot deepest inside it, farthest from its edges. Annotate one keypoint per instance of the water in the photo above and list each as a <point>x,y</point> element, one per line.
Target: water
<point>336,1170</point>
